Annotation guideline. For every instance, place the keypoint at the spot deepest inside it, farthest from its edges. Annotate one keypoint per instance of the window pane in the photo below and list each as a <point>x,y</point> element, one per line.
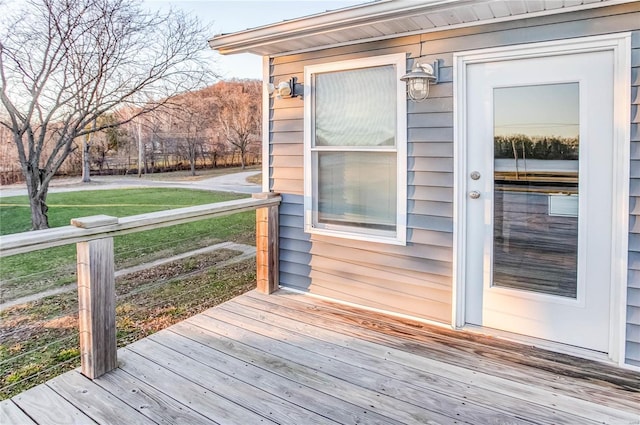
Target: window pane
<point>356,107</point>
<point>357,189</point>
<point>536,148</point>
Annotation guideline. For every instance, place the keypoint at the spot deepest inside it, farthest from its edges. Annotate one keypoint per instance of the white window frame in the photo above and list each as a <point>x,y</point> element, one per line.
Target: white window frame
<point>399,237</point>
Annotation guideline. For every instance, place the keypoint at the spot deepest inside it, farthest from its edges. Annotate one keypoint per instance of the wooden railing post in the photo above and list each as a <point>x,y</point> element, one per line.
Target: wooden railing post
<point>267,224</point>
<point>96,299</point>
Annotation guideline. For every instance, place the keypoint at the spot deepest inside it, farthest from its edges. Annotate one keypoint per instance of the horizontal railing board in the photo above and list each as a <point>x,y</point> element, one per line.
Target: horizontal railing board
<point>19,243</point>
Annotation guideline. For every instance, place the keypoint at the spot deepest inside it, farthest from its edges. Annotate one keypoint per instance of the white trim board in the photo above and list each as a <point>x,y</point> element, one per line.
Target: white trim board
<point>266,100</point>
<point>620,44</point>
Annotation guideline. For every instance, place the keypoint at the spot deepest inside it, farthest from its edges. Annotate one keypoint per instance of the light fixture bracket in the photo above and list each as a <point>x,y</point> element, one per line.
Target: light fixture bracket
<point>289,89</point>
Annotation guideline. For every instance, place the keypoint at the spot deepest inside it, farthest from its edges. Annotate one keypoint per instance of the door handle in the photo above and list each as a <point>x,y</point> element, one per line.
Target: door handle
<point>474,194</point>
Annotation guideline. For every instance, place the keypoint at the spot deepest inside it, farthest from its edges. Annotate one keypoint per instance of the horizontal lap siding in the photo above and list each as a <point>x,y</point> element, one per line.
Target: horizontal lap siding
<point>415,279</point>
<point>286,140</point>
<point>295,245</point>
<point>633,289</point>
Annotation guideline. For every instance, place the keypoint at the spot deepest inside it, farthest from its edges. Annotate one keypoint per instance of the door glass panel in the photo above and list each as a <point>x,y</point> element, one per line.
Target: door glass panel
<point>536,146</point>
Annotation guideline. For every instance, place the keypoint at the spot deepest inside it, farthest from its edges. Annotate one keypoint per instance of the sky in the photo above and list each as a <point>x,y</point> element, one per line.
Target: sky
<point>227,16</point>
<point>543,110</point>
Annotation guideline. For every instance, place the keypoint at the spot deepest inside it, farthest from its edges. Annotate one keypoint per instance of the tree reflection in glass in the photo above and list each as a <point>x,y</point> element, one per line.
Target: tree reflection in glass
<point>536,158</point>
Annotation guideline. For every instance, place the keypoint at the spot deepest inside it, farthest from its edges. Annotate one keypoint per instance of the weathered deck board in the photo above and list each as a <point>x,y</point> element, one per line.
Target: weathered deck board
<point>332,379</point>
<point>218,409</point>
<point>577,377</point>
<point>151,402</point>
<point>361,371</point>
<point>243,393</point>
<point>362,354</point>
<point>293,359</point>
<point>222,353</point>
<point>45,406</point>
<point>11,414</point>
<point>98,404</point>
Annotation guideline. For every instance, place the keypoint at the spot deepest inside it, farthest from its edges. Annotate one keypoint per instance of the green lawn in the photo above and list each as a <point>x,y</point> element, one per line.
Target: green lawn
<point>25,274</point>
<point>15,216</point>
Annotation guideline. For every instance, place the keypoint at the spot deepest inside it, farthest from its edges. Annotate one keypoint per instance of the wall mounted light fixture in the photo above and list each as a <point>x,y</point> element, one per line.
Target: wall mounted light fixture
<point>287,89</point>
<point>419,79</point>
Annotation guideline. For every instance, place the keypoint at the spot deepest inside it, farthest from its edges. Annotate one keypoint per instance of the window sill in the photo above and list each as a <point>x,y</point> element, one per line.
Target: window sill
<point>389,240</point>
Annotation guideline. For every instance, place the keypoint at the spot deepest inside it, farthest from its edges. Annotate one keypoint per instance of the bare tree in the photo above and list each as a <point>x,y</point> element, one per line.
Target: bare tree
<point>105,142</point>
<point>239,114</point>
<point>192,117</point>
<point>64,63</point>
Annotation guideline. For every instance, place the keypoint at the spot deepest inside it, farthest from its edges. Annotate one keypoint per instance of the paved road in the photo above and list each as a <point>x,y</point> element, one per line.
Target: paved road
<point>235,182</point>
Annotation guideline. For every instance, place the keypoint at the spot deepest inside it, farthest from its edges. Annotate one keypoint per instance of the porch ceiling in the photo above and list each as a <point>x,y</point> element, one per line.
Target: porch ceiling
<point>386,19</point>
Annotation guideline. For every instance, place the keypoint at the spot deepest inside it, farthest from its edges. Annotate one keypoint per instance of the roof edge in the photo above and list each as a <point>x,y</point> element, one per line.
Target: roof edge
<point>242,41</point>
<point>251,40</point>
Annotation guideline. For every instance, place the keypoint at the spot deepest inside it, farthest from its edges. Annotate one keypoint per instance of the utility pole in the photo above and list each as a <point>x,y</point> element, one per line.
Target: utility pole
<point>140,149</point>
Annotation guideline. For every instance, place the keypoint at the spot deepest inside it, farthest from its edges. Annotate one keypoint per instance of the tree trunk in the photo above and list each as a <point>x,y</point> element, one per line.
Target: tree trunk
<point>242,159</point>
<point>39,218</point>
<point>37,198</point>
<point>86,161</point>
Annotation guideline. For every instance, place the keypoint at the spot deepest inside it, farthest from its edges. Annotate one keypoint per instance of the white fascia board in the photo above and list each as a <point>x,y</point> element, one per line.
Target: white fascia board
<point>243,41</point>
<point>258,40</point>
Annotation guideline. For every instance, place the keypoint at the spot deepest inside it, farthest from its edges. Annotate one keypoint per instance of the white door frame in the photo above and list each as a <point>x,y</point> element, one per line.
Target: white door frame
<point>620,44</point>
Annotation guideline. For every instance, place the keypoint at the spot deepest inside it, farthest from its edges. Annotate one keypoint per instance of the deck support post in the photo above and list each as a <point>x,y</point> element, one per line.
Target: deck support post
<point>267,247</point>
<point>96,300</point>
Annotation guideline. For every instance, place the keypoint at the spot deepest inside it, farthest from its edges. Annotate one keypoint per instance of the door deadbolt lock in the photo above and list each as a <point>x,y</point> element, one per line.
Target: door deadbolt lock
<point>475,175</point>
<point>474,194</point>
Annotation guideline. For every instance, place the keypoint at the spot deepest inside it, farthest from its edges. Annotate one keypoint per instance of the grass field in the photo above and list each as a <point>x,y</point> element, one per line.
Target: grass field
<point>39,339</point>
<point>30,273</point>
<point>15,216</point>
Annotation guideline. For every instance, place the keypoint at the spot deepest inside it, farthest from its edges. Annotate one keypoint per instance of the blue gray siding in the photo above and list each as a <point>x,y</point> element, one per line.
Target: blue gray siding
<point>417,279</point>
<point>633,289</point>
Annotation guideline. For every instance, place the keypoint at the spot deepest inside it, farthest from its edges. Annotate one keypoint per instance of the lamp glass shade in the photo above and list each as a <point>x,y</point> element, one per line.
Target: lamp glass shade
<point>284,89</point>
<point>418,88</point>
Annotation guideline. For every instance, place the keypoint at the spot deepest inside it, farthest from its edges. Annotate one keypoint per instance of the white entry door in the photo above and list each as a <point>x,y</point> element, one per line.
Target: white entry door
<point>539,185</point>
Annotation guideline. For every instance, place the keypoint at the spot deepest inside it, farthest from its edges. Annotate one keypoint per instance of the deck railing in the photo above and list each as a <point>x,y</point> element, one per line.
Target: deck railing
<point>93,237</point>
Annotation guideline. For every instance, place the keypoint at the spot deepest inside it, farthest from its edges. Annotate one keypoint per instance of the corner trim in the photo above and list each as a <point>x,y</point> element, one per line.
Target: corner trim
<point>266,111</point>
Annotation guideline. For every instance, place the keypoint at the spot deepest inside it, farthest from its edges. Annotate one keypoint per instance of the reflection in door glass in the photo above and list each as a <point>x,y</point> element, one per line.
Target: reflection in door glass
<point>536,148</point>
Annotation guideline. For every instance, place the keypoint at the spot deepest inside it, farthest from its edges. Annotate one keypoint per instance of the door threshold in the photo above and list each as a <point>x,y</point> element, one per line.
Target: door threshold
<point>544,344</point>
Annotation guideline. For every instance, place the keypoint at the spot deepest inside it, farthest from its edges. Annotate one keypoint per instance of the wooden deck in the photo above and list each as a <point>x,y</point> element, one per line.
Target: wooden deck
<point>293,359</point>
